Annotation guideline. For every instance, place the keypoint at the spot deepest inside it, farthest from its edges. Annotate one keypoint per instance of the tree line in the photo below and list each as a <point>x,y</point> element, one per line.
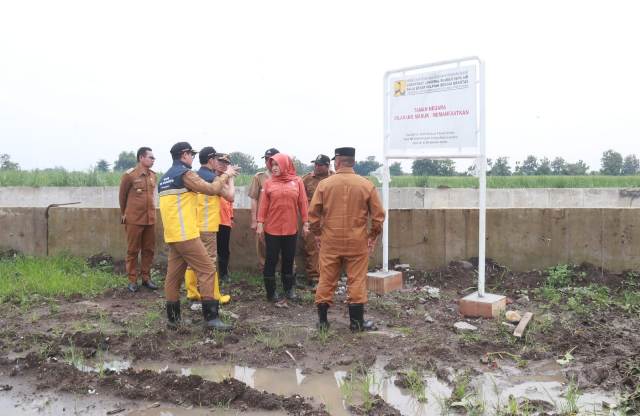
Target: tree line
<point>611,163</point>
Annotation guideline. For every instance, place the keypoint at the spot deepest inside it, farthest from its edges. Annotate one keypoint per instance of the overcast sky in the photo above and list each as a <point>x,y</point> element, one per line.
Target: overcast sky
<point>82,81</point>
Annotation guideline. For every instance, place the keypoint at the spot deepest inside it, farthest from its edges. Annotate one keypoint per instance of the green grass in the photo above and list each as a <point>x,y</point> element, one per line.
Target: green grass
<point>595,181</point>
<point>62,177</point>
<point>23,278</point>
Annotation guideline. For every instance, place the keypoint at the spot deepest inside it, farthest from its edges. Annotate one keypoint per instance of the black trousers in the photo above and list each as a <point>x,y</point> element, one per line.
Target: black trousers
<point>279,245</point>
<point>224,236</point>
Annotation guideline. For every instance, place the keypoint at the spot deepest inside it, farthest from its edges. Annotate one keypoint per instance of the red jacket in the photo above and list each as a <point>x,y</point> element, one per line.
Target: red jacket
<point>280,203</point>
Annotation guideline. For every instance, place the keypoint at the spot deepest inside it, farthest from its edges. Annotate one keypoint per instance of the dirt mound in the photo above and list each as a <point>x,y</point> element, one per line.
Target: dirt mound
<point>378,408</point>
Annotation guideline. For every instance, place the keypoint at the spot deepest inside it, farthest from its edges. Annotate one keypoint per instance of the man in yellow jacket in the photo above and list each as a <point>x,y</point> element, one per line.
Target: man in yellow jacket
<point>178,191</point>
<point>209,222</point>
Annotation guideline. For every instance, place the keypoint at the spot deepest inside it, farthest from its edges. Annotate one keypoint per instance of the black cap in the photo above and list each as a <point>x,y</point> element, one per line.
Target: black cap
<point>345,151</point>
<point>206,153</point>
<point>321,160</point>
<point>180,147</point>
<point>270,152</point>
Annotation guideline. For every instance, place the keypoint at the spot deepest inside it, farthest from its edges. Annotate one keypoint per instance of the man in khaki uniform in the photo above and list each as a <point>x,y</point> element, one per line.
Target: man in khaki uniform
<point>309,249</point>
<point>178,193</point>
<point>338,215</point>
<point>254,193</point>
<point>138,214</point>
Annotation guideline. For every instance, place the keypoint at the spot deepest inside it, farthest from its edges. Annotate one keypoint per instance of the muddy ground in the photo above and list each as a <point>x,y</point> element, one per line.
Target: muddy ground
<point>39,341</point>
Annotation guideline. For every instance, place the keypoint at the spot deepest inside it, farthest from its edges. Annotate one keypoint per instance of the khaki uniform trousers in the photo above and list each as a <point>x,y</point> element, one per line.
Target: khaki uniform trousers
<point>311,257</point>
<point>191,253</point>
<point>140,239</point>
<point>331,264</point>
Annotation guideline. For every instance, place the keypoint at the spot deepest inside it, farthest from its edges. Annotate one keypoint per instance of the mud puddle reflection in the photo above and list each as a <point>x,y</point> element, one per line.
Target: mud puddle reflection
<point>541,382</point>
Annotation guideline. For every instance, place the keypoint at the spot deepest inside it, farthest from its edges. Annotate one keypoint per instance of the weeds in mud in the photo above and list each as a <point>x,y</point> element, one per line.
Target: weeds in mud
<point>323,335</point>
<point>307,298</point>
<point>74,357</point>
<point>570,407</point>
<point>272,340</point>
<point>514,408</point>
<point>24,279</point>
<point>138,327</point>
<point>358,383</point>
<point>469,338</point>
<point>415,385</point>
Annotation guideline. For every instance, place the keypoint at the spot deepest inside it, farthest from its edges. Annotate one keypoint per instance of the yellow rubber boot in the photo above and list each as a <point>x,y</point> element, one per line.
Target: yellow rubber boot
<point>216,292</point>
<point>191,282</point>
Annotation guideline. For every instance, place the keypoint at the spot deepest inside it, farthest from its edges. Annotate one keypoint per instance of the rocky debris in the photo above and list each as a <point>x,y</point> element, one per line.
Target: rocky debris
<point>463,264</point>
<point>464,327</point>
<point>513,316</point>
<point>402,267</point>
<point>523,300</point>
<point>510,327</point>
<point>428,318</point>
<point>433,292</point>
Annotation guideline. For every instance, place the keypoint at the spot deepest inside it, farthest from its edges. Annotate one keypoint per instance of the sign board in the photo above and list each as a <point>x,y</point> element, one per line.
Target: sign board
<point>433,111</point>
<point>436,111</point>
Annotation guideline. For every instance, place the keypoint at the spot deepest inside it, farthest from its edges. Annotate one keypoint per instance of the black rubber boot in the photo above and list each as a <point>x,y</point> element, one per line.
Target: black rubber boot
<point>356,318</point>
<point>288,284</point>
<point>210,313</point>
<point>270,288</point>
<point>173,314</point>
<point>323,322</point>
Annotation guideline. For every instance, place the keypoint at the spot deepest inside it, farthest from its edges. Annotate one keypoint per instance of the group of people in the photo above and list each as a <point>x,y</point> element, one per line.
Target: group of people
<point>339,213</point>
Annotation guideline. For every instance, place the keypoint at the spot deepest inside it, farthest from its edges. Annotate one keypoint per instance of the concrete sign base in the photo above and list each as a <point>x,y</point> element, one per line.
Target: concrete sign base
<point>488,306</point>
<point>382,282</point>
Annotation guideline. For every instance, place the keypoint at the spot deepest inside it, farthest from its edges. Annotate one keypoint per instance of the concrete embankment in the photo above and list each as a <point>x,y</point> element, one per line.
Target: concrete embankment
<point>521,238</point>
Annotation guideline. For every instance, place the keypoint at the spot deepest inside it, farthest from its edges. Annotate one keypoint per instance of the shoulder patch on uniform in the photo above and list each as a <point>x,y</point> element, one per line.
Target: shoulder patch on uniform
<point>130,170</point>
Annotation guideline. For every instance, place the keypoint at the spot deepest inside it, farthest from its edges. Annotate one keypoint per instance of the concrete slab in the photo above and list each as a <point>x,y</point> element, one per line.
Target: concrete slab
<point>488,306</point>
<point>384,282</point>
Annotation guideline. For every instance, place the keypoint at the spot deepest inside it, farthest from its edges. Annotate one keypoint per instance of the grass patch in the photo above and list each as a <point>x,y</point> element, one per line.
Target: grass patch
<point>357,385</point>
<point>24,278</point>
<point>272,340</point>
<point>143,325</point>
<point>415,384</point>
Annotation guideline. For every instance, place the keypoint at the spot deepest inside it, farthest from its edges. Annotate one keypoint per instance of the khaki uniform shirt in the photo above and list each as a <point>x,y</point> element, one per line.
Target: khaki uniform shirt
<point>340,209</point>
<point>257,183</point>
<point>311,182</point>
<point>137,188</point>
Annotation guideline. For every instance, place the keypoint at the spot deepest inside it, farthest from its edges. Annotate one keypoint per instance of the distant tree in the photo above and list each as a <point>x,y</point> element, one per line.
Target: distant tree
<point>246,162</point>
<point>631,165</point>
<point>528,167</point>
<point>102,166</point>
<point>396,169</point>
<point>7,164</point>
<point>577,169</point>
<point>544,167</point>
<point>611,163</point>
<point>558,166</point>
<point>428,167</point>
<point>301,167</point>
<point>365,167</point>
<point>125,161</point>
<point>500,167</point>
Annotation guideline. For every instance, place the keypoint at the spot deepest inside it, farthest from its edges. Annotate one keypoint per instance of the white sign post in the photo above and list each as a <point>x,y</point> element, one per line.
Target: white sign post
<point>436,111</point>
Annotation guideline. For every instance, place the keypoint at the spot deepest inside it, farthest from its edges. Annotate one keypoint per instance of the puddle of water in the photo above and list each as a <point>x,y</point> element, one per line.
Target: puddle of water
<point>324,388</point>
<point>540,381</point>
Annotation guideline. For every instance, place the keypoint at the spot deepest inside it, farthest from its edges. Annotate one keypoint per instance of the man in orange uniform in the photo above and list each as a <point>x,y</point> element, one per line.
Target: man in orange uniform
<point>309,249</point>
<point>138,214</point>
<point>338,216</point>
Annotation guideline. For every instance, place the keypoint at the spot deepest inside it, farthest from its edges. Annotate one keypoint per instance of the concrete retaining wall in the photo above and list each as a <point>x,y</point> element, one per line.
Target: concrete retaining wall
<point>400,198</point>
<point>522,239</point>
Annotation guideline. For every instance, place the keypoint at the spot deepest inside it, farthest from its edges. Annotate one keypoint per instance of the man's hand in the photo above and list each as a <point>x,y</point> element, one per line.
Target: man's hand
<point>232,170</point>
<point>305,229</point>
<point>317,242</point>
<point>260,229</point>
<point>371,244</point>
<point>122,219</point>
<point>254,224</point>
